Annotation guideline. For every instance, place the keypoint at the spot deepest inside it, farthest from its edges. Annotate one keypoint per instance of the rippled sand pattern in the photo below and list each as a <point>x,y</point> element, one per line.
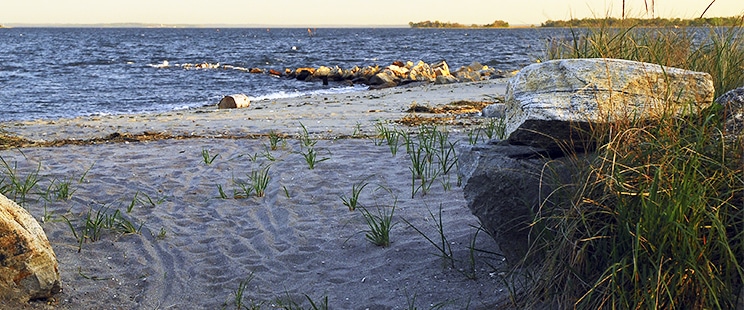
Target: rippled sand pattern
<point>297,240</point>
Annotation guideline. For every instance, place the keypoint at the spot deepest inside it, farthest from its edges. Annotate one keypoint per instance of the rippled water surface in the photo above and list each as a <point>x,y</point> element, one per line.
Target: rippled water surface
<point>63,72</point>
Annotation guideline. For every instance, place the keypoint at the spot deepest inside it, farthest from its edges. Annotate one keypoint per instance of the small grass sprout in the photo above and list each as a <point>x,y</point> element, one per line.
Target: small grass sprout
<point>221,192</point>
<point>161,234</point>
<point>352,201</point>
<point>389,136</point>
<point>239,295</point>
<point>274,140</point>
<point>495,127</point>
<point>208,159</point>
<point>305,140</point>
<point>311,157</point>
<point>96,223</point>
<point>288,303</point>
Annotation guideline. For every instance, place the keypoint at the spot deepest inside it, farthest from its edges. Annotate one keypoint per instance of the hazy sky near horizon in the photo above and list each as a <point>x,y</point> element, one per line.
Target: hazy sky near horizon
<point>342,12</point>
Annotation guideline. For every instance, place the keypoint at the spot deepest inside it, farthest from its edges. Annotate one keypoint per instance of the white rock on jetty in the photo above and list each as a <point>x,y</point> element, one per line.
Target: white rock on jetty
<point>28,265</point>
<point>234,101</point>
<point>545,100</point>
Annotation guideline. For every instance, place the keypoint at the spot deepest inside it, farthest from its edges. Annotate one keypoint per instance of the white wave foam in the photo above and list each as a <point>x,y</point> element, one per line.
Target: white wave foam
<point>164,64</point>
<point>294,94</point>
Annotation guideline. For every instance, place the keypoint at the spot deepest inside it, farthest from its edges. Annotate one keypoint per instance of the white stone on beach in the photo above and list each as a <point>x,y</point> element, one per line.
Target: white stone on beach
<point>28,265</point>
<point>545,100</point>
<point>234,101</point>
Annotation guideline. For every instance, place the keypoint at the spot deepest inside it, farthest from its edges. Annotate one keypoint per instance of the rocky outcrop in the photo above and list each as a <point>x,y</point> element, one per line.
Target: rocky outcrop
<point>547,102</point>
<point>507,182</point>
<point>732,104</point>
<point>28,265</point>
<point>234,101</point>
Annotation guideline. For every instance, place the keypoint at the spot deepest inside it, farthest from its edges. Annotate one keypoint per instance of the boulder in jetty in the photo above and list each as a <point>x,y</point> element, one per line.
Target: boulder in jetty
<point>384,79</point>
<point>28,265</point>
<point>422,72</point>
<point>441,68</point>
<point>547,102</point>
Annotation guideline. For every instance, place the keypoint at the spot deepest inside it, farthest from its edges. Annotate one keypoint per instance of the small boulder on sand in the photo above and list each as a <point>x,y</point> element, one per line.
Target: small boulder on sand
<point>234,101</point>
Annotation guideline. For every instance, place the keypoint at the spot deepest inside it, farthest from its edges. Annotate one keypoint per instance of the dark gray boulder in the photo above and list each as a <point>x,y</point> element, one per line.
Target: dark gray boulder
<point>732,103</point>
<point>506,185</point>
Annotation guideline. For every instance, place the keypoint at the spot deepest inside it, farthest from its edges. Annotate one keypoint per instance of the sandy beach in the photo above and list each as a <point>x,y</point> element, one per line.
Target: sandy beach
<point>298,242</point>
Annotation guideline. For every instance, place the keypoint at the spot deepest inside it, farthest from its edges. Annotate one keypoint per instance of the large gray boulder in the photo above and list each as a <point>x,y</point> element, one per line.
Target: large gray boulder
<point>28,265</point>
<point>506,185</point>
<point>547,102</point>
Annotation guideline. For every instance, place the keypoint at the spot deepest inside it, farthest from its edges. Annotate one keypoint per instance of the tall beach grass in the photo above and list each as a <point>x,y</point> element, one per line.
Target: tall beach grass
<point>655,219</point>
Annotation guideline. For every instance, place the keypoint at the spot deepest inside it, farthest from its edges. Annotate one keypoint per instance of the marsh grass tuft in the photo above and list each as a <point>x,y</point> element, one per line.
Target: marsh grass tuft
<point>288,303</point>
<point>390,136</point>
<point>275,140</point>
<point>432,156</point>
<point>239,296</point>
<point>311,157</point>
<point>307,148</point>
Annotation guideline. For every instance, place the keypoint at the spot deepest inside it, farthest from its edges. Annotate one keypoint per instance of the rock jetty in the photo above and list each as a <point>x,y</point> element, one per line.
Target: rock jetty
<point>376,77</point>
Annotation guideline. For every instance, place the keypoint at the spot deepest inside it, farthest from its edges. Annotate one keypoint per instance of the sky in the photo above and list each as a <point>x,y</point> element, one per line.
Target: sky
<point>342,12</point>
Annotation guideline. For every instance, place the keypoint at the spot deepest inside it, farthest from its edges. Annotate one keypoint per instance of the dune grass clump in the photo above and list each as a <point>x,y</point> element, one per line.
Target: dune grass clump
<point>656,219</point>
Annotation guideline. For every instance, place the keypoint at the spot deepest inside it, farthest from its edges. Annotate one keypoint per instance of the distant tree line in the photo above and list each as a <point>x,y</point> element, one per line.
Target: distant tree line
<point>438,24</point>
<point>645,22</point>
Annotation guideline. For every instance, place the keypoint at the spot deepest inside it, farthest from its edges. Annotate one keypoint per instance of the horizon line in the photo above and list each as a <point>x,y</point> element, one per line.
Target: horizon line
<point>160,25</point>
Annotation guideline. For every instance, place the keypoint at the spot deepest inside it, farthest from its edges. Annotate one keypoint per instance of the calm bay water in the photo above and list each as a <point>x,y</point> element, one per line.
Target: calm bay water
<point>48,73</point>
